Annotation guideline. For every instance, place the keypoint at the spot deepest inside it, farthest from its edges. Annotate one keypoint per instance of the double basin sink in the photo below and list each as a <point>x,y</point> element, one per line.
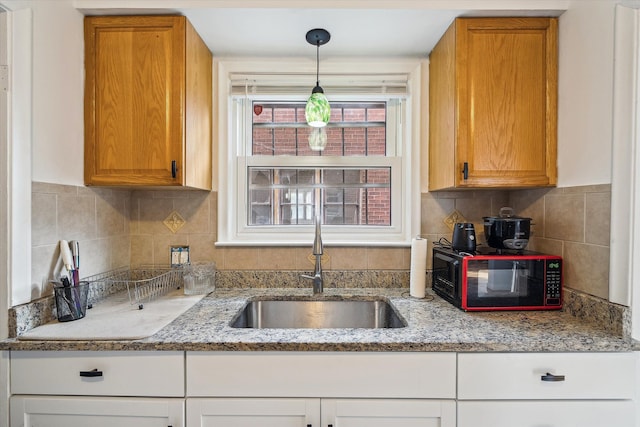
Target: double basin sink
<point>318,314</point>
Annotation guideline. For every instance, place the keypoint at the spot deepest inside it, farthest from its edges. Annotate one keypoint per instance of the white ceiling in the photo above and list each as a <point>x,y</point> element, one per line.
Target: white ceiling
<point>397,28</point>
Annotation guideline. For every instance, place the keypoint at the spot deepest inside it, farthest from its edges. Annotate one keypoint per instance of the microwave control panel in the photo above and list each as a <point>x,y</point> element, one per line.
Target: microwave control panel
<point>554,281</point>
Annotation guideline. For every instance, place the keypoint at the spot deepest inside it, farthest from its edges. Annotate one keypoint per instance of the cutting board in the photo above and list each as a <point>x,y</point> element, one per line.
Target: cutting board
<point>117,319</point>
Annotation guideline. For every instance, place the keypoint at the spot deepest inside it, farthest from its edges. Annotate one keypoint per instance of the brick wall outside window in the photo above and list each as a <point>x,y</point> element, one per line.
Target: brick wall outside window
<point>355,129</point>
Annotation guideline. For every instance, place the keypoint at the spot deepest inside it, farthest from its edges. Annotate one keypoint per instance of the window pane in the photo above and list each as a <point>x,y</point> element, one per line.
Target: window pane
<point>343,196</point>
<point>260,196</point>
<point>355,129</point>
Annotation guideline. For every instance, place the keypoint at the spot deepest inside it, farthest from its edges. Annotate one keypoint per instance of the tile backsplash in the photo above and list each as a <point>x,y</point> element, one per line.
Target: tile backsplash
<point>97,217</point>
<point>126,227</point>
<point>571,222</point>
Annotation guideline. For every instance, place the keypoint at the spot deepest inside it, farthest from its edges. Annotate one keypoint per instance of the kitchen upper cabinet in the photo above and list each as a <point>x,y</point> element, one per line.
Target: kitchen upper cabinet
<point>493,104</point>
<point>148,103</point>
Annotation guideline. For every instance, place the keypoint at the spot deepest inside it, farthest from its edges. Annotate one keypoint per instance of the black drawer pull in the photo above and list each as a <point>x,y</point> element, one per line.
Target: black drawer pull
<point>92,373</point>
<point>552,378</point>
<point>465,170</point>
<point>174,168</point>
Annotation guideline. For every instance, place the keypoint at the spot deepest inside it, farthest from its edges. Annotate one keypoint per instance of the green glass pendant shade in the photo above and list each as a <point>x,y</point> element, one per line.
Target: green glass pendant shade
<point>317,111</point>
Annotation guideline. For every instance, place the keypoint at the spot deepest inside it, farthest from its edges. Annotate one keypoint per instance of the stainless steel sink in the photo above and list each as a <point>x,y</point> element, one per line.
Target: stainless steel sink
<point>318,314</point>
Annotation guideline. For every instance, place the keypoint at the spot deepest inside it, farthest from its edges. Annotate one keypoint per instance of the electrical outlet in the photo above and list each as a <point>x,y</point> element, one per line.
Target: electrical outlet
<point>179,256</point>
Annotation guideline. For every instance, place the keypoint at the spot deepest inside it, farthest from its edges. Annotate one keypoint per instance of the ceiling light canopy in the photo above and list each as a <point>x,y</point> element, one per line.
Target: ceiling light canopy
<point>317,110</point>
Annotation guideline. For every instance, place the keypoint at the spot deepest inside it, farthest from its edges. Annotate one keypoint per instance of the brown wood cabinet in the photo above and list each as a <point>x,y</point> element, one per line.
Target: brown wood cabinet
<point>493,104</point>
<point>148,103</point>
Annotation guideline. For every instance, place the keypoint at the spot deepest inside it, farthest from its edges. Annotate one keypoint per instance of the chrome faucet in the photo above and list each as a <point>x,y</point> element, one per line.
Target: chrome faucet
<point>317,271</point>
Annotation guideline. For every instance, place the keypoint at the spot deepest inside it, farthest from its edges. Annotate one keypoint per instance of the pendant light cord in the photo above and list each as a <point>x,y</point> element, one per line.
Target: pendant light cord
<point>318,63</point>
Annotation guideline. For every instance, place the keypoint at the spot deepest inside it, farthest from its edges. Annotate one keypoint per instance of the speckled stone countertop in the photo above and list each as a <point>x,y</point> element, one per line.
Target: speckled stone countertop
<point>433,325</point>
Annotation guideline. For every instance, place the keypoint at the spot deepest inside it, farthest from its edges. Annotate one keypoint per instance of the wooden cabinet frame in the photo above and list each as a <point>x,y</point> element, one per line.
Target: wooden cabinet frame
<point>493,104</point>
<point>148,103</point>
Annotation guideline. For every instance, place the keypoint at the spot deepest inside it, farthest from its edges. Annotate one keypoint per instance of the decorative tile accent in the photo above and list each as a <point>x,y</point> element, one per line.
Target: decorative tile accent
<point>174,222</point>
<point>453,218</point>
<point>324,258</point>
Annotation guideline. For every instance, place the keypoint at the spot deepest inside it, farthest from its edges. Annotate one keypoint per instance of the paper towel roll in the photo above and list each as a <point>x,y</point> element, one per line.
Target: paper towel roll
<point>418,274</point>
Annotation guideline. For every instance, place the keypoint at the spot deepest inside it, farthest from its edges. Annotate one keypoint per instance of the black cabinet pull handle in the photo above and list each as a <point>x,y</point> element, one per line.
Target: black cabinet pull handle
<point>552,378</point>
<point>465,170</point>
<point>91,373</point>
<point>174,168</point>
<point>309,425</point>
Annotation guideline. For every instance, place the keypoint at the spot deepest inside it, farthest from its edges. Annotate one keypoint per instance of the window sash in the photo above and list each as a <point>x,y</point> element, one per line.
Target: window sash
<point>365,193</point>
<point>292,233</point>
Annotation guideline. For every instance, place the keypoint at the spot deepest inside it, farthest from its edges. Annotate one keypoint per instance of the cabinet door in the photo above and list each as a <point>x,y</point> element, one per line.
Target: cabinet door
<point>248,412</point>
<point>135,77</point>
<point>388,413</point>
<point>507,96</point>
<point>40,411</point>
<point>546,414</point>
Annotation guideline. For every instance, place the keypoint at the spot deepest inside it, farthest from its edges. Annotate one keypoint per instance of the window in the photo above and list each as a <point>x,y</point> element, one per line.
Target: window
<point>273,184</point>
<point>345,196</point>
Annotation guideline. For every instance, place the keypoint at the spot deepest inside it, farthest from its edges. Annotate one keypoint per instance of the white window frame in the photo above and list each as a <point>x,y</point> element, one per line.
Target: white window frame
<point>232,159</point>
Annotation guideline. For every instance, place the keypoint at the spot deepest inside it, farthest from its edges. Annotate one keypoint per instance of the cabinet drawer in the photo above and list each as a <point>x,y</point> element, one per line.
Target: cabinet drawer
<point>520,376</point>
<point>593,413</point>
<point>117,373</point>
<point>326,374</point>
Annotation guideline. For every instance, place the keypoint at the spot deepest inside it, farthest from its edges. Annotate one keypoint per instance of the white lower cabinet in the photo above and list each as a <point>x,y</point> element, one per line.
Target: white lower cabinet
<point>48,411</point>
<point>274,412</point>
<point>322,389</point>
<point>387,413</point>
<point>97,389</point>
<point>546,389</point>
<point>250,412</point>
<point>338,389</point>
<point>566,413</point>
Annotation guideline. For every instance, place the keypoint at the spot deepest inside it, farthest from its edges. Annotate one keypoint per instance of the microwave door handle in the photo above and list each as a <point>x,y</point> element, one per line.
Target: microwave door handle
<point>513,277</point>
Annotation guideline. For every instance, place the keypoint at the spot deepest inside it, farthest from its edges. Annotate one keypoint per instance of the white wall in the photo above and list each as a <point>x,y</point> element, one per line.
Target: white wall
<point>58,85</point>
<point>58,92</point>
<point>46,117</point>
<point>585,92</point>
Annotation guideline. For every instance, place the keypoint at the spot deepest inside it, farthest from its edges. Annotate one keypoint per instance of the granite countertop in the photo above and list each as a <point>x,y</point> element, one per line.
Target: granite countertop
<point>433,325</point>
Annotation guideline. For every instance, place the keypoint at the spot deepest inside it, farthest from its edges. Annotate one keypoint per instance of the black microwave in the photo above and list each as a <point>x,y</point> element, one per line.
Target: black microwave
<point>498,281</point>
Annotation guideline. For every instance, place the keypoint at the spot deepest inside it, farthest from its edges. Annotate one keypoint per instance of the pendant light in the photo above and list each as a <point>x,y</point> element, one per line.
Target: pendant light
<point>317,110</point>
<point>318,138</point>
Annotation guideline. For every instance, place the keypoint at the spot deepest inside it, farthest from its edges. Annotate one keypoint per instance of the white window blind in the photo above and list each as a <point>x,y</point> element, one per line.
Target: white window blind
<point>289,84</point>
